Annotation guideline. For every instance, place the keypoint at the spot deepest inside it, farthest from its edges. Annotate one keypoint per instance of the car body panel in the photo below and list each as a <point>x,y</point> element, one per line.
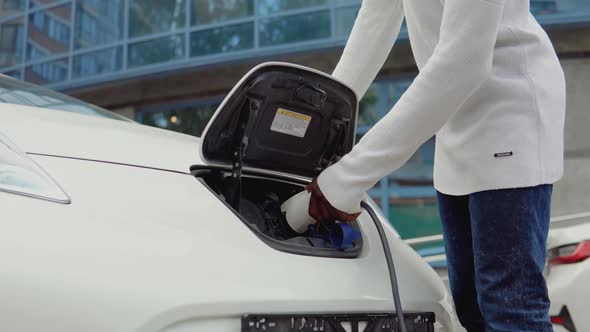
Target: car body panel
<point>51,132</point>
<point>147,250</point>
<point>145,246</point>
<point>569,229</point>
<point>568,283</point>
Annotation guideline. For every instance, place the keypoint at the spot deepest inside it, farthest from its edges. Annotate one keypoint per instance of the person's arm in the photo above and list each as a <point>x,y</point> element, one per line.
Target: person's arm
<point>375,30</point>
<point>461,62</point>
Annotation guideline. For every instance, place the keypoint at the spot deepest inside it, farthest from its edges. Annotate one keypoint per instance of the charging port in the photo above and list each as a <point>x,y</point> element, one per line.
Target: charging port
<point>259,204</point>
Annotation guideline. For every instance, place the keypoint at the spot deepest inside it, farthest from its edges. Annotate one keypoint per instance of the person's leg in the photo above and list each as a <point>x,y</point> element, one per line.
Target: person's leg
<point>509,229</point>
<point>454,213</point>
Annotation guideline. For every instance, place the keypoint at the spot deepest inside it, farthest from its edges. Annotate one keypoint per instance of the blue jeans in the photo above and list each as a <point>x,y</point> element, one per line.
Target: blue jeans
<point>495,245</point>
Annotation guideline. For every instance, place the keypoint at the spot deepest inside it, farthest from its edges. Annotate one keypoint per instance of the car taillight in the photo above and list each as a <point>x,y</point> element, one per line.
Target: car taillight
<point>569,254</point>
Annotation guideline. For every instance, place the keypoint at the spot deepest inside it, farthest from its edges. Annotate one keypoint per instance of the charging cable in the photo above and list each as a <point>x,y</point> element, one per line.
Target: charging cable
<point>390,267</point>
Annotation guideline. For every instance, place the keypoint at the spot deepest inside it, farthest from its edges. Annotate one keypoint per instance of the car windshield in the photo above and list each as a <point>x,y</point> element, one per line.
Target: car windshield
<point>13,91</point>
<point>571,195</point>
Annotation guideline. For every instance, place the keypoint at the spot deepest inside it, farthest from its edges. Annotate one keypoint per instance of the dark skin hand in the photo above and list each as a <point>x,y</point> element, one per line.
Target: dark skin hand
<point>321,210</point>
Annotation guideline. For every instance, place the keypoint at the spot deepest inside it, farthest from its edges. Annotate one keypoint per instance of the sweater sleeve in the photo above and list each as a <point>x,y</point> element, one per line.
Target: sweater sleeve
<point>461,62</point>
<point>375,30</point>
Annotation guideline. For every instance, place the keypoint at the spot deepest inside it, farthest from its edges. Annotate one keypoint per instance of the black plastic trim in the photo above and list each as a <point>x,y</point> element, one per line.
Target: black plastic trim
<point>376,322</point>
<point>277,244</point>
<point>568,323</point>
<point>254,172</point>
<point>249,112</point>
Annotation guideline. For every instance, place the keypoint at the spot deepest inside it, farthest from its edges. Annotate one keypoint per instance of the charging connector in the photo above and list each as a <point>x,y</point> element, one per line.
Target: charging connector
<point>390,266</point>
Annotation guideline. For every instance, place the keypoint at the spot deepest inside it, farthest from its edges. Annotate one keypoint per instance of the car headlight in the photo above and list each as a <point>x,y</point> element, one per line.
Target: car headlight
<point>20,175</point>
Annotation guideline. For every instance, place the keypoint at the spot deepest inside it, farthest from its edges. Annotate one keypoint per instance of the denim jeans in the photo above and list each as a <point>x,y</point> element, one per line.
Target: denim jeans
<point>495,246</point>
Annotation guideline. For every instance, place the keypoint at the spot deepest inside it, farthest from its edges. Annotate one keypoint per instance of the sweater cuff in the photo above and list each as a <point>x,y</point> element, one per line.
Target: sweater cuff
<point>342,195</point>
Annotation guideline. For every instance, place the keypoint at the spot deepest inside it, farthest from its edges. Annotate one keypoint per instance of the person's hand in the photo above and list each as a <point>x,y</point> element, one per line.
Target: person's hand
<point>321,210</point>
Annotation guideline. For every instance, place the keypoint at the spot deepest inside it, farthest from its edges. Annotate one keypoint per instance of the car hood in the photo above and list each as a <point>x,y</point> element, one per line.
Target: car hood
<point>66,134</point>
<point>146,251</point>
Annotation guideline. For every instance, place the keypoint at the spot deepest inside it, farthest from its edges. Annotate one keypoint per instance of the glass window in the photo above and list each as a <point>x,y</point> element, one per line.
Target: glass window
<point>543,6</point>
<point>21,93</point>
<point>186,117</point>
<point>49,32</point>
<point>15,74</point>
<point>368,109</point>
<point>11,7</point>
<point>38,3</point>
<point>345,20</point>
<point>98,22</point>
<point>572,9</point>
<point>223,39</point>
<point>156,50</point>
<point>407,195</point>
<point>266,7</point>
<point>296,28</point>
<point>154,16</point>
<point>11,42</point>
<point>47,72</point>
<point>212,11</point>
<point>98,62</point>
<point>396,89</point>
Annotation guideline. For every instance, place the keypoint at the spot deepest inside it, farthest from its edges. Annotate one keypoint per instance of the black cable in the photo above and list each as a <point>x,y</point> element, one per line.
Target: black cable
<point>392,276</point>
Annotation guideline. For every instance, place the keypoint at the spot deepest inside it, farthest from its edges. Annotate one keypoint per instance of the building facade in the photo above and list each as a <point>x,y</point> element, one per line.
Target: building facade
<point>169,63</point>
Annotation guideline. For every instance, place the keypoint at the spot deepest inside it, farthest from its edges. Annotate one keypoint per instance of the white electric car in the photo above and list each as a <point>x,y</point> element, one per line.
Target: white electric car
<point>109,225</point>
<point>568,273</point>
<point>568,244</point>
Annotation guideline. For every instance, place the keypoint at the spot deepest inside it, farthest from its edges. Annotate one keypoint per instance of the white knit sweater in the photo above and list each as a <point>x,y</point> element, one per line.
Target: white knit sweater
<point>490,87</point>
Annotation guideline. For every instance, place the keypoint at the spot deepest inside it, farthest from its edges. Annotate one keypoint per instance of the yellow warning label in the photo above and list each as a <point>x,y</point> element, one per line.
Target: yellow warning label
<point>290,123</point>
<point>299,116</point>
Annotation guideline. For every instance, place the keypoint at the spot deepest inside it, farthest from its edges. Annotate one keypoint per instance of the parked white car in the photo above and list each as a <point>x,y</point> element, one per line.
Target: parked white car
<point>568,244</point>
<point>568,272</point>
<point>109,225</point>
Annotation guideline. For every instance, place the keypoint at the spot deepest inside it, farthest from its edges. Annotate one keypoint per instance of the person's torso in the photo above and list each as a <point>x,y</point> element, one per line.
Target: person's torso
<point>519,109</point>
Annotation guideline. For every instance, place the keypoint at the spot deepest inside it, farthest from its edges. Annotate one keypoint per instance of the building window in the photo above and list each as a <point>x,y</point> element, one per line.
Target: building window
<point>87,27</point>
<point>208,11</point>
<point>98,22</point>
<point>345,18</point>
<point>11,43</point>
<point>11,5</point>
<point>266,7</point>
<point>49,30</point>
<point>36,52</point>
<point>296,28</point>
<point>50,71</point>
<point>39,20</point>
<point>15,74</point>
<point>407,195</point>
<point>540,7</point>
<point>47,72</point>
<point>58,31</point>
<point>154,16</point>
<point>156,51</point>
<point>222,40</point>
<point>98,62</point>
<point>37,3</point>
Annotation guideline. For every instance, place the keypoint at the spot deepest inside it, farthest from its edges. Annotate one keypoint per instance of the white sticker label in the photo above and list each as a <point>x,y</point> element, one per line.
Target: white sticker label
<point>290,123</point>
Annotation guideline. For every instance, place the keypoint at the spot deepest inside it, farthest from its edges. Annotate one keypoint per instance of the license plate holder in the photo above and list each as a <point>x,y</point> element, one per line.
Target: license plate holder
<point>361,322</point>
